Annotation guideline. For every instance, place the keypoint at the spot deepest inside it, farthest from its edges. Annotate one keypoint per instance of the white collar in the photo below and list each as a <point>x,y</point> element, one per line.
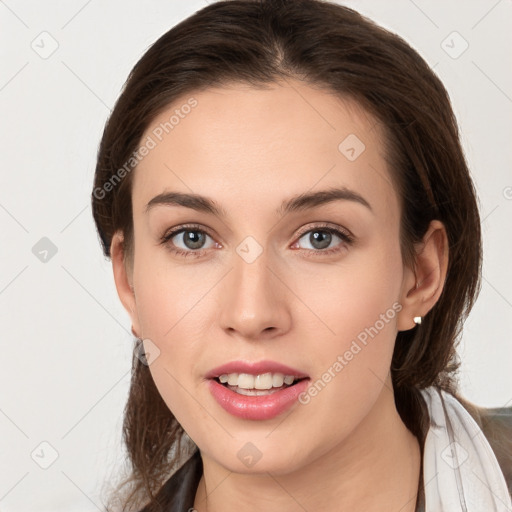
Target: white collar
<point>460,470</point>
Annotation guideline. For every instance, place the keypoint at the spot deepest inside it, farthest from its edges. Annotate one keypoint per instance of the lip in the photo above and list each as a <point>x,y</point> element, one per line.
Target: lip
<point>256,368</point>
<point>256,407</point>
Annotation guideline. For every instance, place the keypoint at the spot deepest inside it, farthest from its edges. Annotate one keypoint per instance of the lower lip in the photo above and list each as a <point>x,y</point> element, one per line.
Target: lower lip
<point>256,407</point>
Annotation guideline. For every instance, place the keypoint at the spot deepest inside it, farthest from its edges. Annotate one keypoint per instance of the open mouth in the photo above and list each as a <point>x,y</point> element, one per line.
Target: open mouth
<point>257,392</point>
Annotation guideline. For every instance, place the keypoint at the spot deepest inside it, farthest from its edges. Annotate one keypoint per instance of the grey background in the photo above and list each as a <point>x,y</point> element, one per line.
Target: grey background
<point>66,341</point>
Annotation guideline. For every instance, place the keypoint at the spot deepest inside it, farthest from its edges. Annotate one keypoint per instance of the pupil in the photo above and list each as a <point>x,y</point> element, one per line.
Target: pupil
<point>193,239</point>
<point>320,239</point>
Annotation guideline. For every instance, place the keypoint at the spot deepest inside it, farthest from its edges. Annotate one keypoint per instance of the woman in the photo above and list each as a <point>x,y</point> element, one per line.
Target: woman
<point>294,233</point>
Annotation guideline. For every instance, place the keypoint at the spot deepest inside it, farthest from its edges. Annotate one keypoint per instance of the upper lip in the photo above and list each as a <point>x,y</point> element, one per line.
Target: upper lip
<point>255,368</point>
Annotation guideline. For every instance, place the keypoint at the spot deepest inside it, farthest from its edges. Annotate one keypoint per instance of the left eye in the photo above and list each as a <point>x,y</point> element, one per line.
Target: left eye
<point>321,238</point>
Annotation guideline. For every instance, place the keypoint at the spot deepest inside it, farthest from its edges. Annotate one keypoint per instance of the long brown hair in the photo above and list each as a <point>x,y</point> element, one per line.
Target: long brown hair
<point>259,42</point>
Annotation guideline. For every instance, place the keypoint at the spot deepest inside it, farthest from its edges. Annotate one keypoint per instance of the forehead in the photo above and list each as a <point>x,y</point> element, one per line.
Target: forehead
<point>245,145</point>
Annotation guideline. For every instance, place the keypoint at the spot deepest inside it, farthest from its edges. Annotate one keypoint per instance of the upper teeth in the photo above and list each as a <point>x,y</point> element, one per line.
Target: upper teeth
<point>263,381</point>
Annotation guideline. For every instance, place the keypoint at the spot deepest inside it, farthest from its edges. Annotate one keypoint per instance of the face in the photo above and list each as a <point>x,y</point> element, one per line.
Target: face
<point>317,285</point>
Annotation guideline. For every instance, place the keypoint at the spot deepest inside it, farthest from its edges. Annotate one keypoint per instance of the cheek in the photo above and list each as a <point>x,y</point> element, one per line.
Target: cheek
<point>169,295</point>
<point>170,306</point>
<point>174,307</point>
<point>352,356</point>
<point>355,305</point>
<point>352,294</point>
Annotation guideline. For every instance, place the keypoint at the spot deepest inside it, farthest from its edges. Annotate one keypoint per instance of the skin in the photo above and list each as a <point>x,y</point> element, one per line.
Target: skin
<point>249,149</point>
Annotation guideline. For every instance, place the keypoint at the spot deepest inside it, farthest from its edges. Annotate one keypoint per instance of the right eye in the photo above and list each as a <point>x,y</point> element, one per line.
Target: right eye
<point>188,241</point>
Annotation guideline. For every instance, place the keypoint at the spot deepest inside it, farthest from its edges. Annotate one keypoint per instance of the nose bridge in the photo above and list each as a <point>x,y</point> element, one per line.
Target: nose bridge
<point>253,299</point>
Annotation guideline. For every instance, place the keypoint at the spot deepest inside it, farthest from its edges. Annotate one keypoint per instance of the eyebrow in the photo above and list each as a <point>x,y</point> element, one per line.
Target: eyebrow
<point>301,202</point>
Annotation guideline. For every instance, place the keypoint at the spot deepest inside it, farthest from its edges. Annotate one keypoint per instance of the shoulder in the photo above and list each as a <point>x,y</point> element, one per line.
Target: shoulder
<point>496,424</point>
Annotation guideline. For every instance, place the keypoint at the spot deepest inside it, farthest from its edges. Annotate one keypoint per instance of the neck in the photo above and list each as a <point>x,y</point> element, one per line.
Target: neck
<point>375,469</point>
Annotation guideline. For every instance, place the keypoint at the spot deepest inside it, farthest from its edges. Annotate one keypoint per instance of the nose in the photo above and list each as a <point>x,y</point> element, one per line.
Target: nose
<point>254,300</point>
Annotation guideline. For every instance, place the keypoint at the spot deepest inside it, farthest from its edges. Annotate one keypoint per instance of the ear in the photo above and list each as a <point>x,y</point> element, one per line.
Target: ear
<point>123,277</point>
<point>422,285</point>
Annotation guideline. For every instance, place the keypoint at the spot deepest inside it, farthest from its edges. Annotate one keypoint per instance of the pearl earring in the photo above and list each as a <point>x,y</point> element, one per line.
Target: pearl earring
<point>417,320</point>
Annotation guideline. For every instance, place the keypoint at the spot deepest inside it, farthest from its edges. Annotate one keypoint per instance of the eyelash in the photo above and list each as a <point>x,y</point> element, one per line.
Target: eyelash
<point>345,236</point>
